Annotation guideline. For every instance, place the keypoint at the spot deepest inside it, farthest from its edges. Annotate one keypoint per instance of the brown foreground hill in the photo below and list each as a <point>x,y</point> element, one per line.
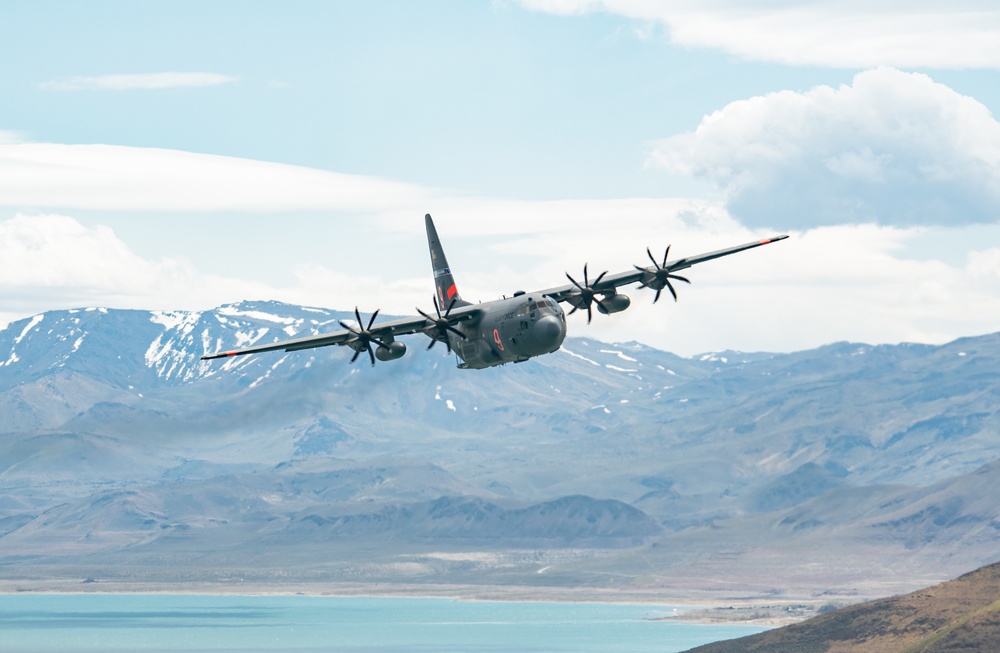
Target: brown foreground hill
<point>959,615</point>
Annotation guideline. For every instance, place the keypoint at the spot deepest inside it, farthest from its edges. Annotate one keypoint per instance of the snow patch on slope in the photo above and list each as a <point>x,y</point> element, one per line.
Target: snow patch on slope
<point>575,355</point>
<point>173,358</point>
<point>619,354</point>
<point>31,325</point>
<point>257,315</point>
<point>171,320</point>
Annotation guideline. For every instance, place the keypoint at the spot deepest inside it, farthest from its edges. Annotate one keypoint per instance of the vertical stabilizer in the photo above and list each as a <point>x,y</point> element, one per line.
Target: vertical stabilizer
<point>444,282</point>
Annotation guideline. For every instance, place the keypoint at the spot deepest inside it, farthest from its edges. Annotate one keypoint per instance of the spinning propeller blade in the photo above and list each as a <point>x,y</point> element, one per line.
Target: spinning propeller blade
<point>585,294</point>
<point>363,337</point>
<point>441,326</point>
<point>658,277</point>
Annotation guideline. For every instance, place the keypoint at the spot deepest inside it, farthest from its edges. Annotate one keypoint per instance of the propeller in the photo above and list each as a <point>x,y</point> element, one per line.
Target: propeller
<point>363,337</point>
<point>660,277</point>
<point>441,325</point>
<point>585,294</point>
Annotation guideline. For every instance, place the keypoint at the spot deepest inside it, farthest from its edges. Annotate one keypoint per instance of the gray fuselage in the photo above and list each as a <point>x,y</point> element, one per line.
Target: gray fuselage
<point>510,330</point>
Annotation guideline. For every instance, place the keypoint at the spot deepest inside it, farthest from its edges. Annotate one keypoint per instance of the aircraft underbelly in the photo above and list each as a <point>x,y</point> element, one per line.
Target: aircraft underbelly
<point>476,354</point>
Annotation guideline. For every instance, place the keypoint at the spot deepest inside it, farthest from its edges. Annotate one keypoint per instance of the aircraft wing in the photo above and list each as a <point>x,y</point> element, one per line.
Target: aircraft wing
<point>655,276</point>
<point>374,333</point>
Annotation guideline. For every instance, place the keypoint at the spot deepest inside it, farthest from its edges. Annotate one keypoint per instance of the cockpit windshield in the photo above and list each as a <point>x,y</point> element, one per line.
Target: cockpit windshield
<point>548,302</point>
<point>545,304</point>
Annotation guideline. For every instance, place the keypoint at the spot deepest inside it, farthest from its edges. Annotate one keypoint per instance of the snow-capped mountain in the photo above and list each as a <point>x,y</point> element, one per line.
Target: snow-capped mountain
<point>115,437</point>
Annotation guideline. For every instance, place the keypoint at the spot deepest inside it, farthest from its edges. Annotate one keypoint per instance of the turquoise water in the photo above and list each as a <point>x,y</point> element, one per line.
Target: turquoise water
<point>101,622</point>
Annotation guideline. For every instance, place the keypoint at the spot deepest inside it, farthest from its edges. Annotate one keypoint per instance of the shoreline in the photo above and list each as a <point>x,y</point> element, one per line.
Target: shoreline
<point>697,607</point>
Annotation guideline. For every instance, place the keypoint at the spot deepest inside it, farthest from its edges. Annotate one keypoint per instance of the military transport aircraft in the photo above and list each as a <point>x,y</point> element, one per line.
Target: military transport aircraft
<point>508,330</point>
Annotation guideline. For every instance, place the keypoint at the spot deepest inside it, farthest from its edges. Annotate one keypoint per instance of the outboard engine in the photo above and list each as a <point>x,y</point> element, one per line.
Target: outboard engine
<point>392,352</point>
<point>613,303</point>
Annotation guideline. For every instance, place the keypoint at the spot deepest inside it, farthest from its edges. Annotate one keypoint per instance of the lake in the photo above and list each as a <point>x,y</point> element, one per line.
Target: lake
<point>153,622</point>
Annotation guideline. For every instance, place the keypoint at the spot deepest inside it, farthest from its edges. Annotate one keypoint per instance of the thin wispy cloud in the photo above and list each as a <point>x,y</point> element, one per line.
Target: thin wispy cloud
<point>145,81</point>
<point>837,33</point>
<point>8,137</point>
<point>120,178</point>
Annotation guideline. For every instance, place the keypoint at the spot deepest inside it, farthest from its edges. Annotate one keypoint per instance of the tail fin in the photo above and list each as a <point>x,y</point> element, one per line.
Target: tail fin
<point>444,282</point>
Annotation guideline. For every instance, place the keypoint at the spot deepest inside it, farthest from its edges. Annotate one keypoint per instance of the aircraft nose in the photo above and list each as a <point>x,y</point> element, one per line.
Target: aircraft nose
<point>549,331</point>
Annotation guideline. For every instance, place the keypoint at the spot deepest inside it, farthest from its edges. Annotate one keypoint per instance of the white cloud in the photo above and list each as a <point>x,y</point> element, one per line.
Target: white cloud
<point>144,81</point>
<point>823,285</point>
<point>54,262</point>
<point>837,33</point>
<point>984,267</point>
<point>119,178</point>
<point>846,283</point>
<point>8,137</point>
<point>893,147</point>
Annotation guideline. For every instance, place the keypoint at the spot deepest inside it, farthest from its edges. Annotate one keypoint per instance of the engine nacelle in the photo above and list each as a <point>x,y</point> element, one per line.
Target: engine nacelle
<point>613,303</point>
<point>392,352</point>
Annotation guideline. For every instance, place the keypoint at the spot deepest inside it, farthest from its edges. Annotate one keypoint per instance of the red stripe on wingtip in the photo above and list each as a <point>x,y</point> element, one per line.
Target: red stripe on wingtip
<point>230,353</point>
<point>765,242</point>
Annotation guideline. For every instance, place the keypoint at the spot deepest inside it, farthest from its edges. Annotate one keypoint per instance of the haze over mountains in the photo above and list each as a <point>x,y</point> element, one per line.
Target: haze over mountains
<point>848,469</point>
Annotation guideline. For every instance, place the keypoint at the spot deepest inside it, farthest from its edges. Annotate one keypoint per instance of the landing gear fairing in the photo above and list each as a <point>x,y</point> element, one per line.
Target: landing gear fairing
<point>508,330</point>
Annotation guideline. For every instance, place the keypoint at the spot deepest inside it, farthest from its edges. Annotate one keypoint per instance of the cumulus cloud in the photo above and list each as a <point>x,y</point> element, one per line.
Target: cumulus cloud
<point>893,147</point>
<point>51,261</point>
<point>837,33</point>
<point>110,177</point>
<point>144,81</point>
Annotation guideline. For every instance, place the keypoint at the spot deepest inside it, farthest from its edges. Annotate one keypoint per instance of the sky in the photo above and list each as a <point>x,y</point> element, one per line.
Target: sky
<point>185,155</point>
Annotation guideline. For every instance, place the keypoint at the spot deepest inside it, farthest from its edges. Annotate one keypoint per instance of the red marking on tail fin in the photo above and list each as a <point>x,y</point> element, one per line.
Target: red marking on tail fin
<point>452,291</point>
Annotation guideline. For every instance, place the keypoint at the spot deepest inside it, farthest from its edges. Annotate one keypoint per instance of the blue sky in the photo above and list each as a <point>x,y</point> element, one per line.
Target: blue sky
<point>485,97</point>
<point>187,154</point>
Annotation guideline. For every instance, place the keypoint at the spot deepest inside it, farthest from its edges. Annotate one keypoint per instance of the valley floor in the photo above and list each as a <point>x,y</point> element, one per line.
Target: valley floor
<point>703,607</point>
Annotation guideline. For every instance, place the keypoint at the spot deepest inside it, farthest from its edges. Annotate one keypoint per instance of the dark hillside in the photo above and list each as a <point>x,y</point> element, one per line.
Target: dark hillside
<point>959,615</point>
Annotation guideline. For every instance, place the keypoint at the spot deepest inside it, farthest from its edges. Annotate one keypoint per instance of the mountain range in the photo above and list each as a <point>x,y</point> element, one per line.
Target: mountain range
<point>847,470</point>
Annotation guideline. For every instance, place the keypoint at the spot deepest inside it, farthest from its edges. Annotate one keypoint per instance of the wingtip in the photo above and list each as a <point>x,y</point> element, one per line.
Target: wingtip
<point>773,239</point>
<point>208,357</point>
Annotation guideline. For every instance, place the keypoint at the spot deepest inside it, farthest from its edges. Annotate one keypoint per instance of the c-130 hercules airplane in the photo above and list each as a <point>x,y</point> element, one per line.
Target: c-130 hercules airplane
<point>508,330</point>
